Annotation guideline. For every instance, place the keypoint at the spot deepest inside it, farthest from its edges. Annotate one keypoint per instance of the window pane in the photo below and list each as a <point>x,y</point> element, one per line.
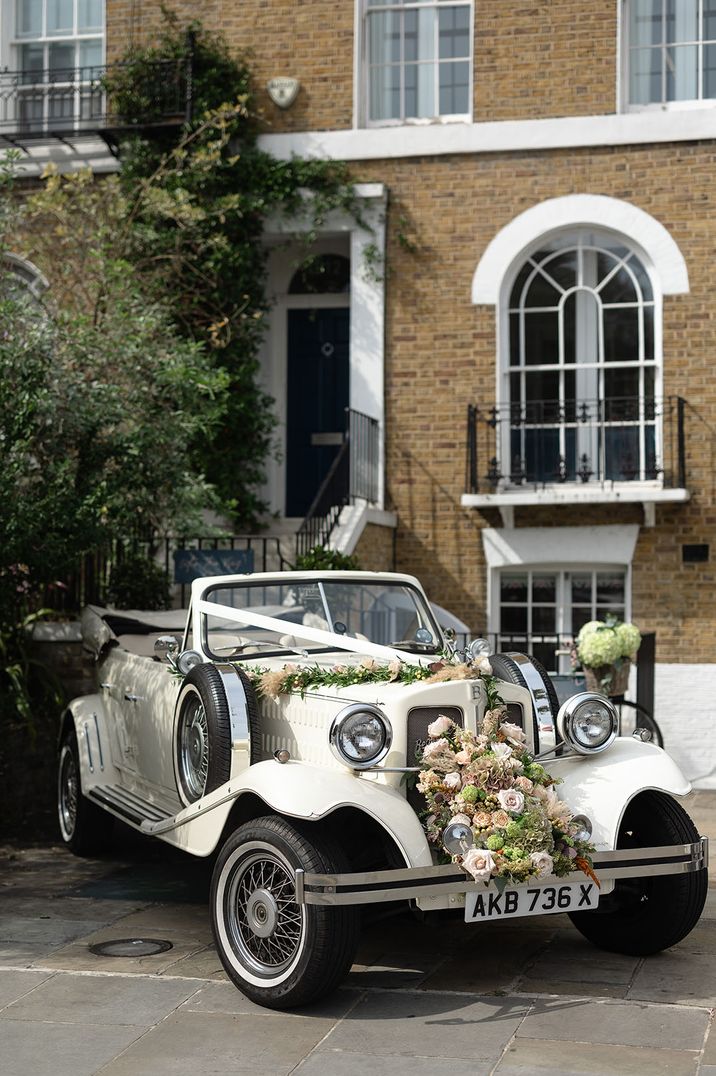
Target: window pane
<point>454,32</point>
<point>642,278</point>
<point>544,587</point>
<point>59,17</point>
<point>709,17</point>
<point>621,382</point>
<point>645,22</point>
<point>682,20</point>
<point>513,587</point>
<point>582,588</point>
<point>419,90</point>
<point>90,15</point>
<point>645,76</point>
<point>648,333</point>
<point>62,62</point>
<point>515,339</point>
<point>621,449</point>
<point>29,17</point>
<point>541,385</point>
<point>419,32</point>
<point>610,588</point>
<point>580,617</point>
<point>541,292</point>
<point>454,89</point>
<point>603,611</point>
<point>513,618</point>
<point>544,619</point>
<point>385,93</point>
<point>516,295</point>
<point>620,288</point>
<point>563,269</point>
<point>621,334</point>
<point>542,337</point>
<point>681,73</point>
<point>32,62</point>
<point>709,70</point>
<point>384,37</point>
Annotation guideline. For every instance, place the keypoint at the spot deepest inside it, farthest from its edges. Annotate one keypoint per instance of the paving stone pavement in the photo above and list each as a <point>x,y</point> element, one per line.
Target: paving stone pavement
<point>527,997</point>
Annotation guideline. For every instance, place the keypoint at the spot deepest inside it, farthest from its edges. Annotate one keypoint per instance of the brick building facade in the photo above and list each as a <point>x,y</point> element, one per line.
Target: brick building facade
<point>538,184</point>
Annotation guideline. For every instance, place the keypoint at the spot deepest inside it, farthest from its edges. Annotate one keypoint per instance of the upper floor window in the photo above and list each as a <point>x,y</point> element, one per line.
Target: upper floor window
<point>671,51</point>
<point>418,59</point>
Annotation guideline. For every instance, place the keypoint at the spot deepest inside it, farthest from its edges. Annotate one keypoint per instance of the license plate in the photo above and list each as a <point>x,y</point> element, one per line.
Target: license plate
<point>530,900</point>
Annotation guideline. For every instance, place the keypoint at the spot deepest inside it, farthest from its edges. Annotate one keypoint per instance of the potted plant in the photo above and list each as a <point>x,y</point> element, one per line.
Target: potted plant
<point>606,649</point>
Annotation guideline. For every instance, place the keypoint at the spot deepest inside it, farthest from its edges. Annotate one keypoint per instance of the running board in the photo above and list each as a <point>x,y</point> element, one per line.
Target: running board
<point>127,806</point>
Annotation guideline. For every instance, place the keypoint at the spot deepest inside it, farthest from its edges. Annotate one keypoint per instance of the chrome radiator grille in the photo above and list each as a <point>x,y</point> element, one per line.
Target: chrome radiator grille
<point>418,720</point>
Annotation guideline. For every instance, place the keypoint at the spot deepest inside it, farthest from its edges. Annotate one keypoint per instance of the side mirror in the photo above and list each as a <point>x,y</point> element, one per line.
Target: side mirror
<point>165,647</point>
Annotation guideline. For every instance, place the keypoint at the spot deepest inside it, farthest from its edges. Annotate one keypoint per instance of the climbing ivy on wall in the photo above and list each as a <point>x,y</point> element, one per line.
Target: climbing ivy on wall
<point>207,191</point>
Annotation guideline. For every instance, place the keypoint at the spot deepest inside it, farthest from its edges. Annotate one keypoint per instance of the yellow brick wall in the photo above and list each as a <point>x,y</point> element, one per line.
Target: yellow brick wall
<point>530,60</point>
<point>374,551</point>
<point>440,356</point>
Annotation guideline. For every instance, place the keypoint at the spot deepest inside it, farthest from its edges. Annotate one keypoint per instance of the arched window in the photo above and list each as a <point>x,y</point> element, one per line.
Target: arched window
<point>22,278</point>
<point>581,372</point>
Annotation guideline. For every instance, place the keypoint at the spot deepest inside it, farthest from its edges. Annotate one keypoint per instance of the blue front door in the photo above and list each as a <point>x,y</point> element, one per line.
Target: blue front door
<point>316,399</point>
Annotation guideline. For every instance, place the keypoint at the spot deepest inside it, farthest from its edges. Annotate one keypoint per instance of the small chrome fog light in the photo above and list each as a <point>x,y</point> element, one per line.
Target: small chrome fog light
<point>645,735</point>
<point>457,838</point>
<point>585,827</point>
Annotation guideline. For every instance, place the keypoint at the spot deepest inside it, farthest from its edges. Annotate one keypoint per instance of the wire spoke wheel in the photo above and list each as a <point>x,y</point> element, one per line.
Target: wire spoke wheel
<point>194,747</point>
<point>67,792</point>
<point>265,924</point>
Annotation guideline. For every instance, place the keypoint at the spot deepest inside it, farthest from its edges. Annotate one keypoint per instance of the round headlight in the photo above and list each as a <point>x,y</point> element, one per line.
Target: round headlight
<point>588,722</point>
<point>360,736</point>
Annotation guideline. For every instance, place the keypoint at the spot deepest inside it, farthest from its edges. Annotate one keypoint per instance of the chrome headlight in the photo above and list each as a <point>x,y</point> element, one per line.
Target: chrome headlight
<point>360,736</point>
<point>588,722</point>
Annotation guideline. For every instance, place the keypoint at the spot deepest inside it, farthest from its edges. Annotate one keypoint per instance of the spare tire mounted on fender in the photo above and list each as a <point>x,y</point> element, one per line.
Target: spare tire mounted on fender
<point>202,731</point>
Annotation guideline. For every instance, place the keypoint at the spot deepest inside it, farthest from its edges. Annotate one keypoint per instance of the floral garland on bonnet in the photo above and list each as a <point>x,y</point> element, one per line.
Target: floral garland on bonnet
<point>488,781</point>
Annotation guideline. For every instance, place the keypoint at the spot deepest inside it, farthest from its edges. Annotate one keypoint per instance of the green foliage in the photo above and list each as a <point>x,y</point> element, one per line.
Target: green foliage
<point>136,582</point>
<point>201,195</point>
<point>321,559</point>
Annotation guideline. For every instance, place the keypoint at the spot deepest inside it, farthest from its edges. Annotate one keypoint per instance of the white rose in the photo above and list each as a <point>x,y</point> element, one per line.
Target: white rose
<point>501,751</point>
<point>440,726</point>
<point>542,862</point>
<point>479,863</point>
<point>513,732</point>
<point>452,780</point>
<point>484,666</point>
<point>463,818</point>
<point>511,800</point>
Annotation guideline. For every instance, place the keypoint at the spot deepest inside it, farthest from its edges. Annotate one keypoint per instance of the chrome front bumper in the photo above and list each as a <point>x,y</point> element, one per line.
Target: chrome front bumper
<point>413,883</point>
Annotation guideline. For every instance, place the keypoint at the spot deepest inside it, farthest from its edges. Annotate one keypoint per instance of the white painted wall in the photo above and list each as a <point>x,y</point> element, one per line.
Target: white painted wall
<point>686,713</point>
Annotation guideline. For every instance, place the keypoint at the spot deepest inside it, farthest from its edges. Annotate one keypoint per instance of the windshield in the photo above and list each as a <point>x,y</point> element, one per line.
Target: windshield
<point>387,614</point>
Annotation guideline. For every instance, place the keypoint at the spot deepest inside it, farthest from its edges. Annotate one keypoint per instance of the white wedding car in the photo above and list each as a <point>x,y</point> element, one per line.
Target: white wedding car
<point>306,800</point>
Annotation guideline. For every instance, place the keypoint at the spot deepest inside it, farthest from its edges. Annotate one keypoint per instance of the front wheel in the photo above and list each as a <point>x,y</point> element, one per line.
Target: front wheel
<point>645,915</point>
<point>279,953</point>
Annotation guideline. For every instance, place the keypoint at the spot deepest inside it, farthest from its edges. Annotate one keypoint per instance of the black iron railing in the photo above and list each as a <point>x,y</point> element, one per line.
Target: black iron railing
<point>354,475</point>
<point>91,582</point>
<point>587,442</point>
<point>72,101</point>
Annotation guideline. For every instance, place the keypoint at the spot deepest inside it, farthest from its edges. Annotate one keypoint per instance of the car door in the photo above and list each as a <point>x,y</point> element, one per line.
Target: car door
<point>150,691</point>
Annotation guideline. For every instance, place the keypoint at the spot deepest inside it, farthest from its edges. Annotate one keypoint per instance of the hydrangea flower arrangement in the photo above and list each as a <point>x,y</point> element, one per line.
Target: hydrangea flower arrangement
<point>607,647</point>
<point>489,782</point>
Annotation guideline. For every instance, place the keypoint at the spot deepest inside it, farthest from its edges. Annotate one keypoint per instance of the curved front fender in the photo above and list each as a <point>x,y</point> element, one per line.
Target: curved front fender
<point>310,792</point>
<point>601,786</point>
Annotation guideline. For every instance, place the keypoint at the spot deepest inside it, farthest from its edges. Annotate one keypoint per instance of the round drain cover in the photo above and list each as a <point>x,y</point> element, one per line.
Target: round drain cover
<point>131,947</point>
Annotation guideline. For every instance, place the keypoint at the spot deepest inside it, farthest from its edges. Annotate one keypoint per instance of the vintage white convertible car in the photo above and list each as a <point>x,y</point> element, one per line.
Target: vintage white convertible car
<point>304,790</point>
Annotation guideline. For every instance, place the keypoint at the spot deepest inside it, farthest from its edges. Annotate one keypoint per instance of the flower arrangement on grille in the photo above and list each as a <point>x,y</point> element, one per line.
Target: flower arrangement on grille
<point>489,798</point>
<point>605,649</point>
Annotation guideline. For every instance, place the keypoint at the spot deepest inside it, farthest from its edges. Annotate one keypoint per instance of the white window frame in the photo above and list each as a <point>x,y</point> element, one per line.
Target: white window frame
<point>594,371</point>
<point>624,51</point>
<point>362,66</point>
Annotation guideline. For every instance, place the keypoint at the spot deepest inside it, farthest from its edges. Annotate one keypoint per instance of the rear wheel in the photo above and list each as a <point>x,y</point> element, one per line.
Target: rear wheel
<point>279,953</point>
<point>85,828</point>
<point>645,915</point>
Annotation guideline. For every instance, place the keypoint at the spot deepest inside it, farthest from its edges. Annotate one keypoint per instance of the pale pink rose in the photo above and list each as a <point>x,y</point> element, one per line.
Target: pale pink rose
<point>394,669</point>
<point>440,726</point>
<point>453,781</point>
<point>512,800</point>
<point>542,862</point>
<point>463,757</point>
<point>524,784</point>
<point>484,666</point>
<point>512,733</point>
<point>482,819</point>
<point>435,748</point>
<point>555,808</point>
<point>370,664</point>
<point>500,819</point>
<point>479,863</point>
<point>462,817</point>
<point>501,751</point>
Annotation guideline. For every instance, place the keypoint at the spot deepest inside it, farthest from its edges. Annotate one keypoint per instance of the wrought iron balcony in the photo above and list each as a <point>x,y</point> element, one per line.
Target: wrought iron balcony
<point>66,103</point>
<point>586,443</point>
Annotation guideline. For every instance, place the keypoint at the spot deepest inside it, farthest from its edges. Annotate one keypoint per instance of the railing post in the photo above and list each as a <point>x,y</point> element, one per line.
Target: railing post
<point>189,76</point>
<point>680,440</point>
